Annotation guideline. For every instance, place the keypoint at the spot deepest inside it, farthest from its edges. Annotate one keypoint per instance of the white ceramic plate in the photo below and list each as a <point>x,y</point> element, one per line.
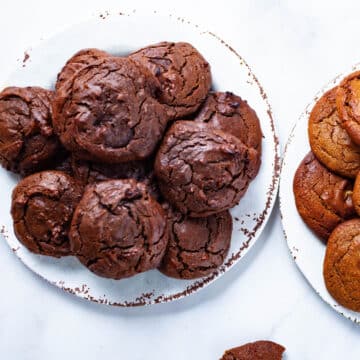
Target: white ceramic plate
<point>120,34</point>
<point>307,250</point>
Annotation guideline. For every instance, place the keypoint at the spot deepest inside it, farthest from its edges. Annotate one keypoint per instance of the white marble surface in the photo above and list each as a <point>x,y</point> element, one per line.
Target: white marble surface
<point>294,47</point>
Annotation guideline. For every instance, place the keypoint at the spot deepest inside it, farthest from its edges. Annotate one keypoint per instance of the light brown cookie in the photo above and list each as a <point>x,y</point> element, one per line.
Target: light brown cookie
<point>348,105</point>
<point>322,198</point>
<point>342,264</point>
<point>329,141</point>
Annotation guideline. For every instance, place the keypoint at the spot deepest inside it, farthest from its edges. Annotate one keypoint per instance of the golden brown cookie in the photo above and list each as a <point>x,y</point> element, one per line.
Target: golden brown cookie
<point>342,264</point>
<point>348,105</point>
<point>258,350</point>
<point>356,194</point>
<point>322,198</point>
<point>329,141</point>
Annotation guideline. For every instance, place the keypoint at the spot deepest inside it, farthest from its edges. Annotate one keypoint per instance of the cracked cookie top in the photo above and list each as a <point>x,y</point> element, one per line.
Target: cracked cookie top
<point>77,62</point>
<point>27,140</point>
<point>108,112</point>
<point>118,230</point>
<point>196,247</point>
<point>342,264</point>
<point>201,170</point>
<point>329,141</point>
<point>184,75</point>
<point>42,209</point>
<point>348,105</point>
<point>230,113</point>
<point>258,350</point>
<point>322,198</point>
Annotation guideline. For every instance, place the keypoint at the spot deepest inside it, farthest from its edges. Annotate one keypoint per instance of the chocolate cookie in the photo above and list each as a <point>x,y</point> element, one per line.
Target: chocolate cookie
<point>27,140</point>
<point>329,141</point>
<point>201,170</point>
<point>77,62</point>
<point>196,247</point>
<point>348,105</point>
<point>184,75</point>
<point>89,172</point>
<point>322,198</point>
<point>118,230</point>
<point>108,113</point>
<point>64,164</point>
<point>228,112</point>
<point>341,264</point>
<point>258,350</point>
<point>42,209</point>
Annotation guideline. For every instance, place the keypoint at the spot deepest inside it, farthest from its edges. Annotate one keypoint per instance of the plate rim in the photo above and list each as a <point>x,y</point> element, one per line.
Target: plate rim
<point>272,191</point>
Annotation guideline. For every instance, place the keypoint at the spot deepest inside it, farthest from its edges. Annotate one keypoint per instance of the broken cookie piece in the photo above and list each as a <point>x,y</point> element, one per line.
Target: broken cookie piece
<point>258,350</point>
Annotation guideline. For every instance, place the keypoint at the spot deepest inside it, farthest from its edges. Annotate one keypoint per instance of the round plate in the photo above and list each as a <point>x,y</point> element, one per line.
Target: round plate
<point>306,248</point>
<point>120,34</point>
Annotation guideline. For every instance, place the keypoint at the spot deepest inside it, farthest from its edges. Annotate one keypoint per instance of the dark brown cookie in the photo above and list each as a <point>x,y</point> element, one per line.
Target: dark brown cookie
<point>27,140</point>
<point>342,264</point>
<point>63,163</point>
<point>230,113</point>
<point>118,230</point>
<point>152,185</point>
<point>329,141</point>
<point>89,172</point>
<point>348,105</point>
<point>322,198</point>
<point>201,170</point>
<point>258,350</point>
<point>108,113</point>
<point>76,63</point>
<point>42,209</point>
<point>197,247</point>
<point>184,75</point>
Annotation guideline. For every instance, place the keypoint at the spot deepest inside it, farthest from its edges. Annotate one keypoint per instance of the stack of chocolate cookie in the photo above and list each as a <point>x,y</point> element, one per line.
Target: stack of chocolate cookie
<point>327,187</point>
<point>130,163</point>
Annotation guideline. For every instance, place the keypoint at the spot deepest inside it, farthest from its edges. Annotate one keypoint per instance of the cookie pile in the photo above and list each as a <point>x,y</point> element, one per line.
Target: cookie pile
<point>130,163</point>
<point>327,187</point>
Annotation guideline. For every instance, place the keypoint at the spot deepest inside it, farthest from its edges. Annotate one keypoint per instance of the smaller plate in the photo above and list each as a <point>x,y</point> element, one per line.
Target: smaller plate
<point>306,248</point>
